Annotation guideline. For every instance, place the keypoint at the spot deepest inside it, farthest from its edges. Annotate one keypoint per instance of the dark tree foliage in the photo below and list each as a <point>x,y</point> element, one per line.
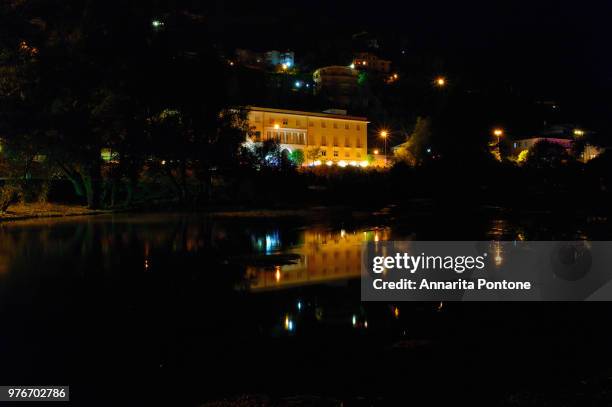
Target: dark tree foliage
<point>138,78</point>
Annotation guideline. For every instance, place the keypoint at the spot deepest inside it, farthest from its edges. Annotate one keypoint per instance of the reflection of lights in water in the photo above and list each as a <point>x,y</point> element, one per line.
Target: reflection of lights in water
<point>146,264</point>
<point>365,324</point>
<point>440,306</point>
<point>272,242</point>
<point>268,243</point>
<point>376,237</point>
<point>299,305</point>
<point>498,257</point>
<point>289,325</point>
<point>277,274</point>
<point>354,320</point>
<point>342,233</point>
<point>396,312</point>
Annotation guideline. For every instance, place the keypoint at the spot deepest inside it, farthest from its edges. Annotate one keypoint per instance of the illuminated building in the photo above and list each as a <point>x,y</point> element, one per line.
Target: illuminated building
<point>370,62</point>
<point>332,136</point>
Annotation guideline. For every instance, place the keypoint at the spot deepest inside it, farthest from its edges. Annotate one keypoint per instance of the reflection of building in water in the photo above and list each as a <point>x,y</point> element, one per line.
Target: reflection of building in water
<point>324,256</point>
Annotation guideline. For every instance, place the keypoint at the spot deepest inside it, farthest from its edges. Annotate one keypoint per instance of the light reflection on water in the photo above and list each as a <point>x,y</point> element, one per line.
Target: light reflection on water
<point>323,255</point>
<point>153,296</point>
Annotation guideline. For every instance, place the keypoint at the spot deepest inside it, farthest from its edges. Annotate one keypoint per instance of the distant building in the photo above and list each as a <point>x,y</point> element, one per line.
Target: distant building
<point>563,135</point>
<point>279,58</point>
<point>339,83</point>
<point>338,139</point>
<point>370,62</point>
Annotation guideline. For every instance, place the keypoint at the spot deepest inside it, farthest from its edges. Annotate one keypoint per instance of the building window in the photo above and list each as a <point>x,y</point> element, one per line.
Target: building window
<point>335,153</point>
<point>285,122</point>
<point>358,145</point>
<point>358,127</point>
<point>323,140</point>
<point>323,153</point>
<point>323,124</point>
<point>311,124</point>
<point>297,123</point>
<point>268,135</point>
<point>258,119</point>
<point>271,120</point>
<point>335,125</point>
<point>346,154</point>
<point>346,126</point>
<point>347,142</point>
<point>358,154</point>
<point>335,141</point>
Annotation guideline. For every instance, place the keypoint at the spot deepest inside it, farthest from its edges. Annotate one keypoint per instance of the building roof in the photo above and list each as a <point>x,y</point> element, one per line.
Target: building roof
<point>302,113</point>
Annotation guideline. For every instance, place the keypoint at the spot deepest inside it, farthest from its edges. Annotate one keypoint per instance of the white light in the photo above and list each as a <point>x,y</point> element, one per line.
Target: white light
<point>364,164</point>
<point>298,84</point>
<point>329,163</point>
<point>157,23</point>
<point>317,163</point>
<point>352,66</point>
<point>429,150</point>
<point>353,163</point>
<point>342,163</point>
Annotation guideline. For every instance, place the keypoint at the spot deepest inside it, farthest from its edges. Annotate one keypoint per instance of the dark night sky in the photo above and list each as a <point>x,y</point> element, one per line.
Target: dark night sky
<point>549,49</point>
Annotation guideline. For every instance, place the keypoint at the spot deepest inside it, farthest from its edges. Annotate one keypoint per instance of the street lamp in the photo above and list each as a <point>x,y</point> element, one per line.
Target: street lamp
<point>578,132</point>
<point>383,135</point>
<point>498,133</point>
<point>440,81</point>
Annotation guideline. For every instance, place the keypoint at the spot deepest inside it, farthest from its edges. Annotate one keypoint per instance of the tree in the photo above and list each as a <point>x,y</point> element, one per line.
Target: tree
<point>297,157</point>
<point>545,154</point>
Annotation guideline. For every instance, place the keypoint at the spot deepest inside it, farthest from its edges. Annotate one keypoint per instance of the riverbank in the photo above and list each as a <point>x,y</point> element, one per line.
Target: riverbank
<point>47,210</point>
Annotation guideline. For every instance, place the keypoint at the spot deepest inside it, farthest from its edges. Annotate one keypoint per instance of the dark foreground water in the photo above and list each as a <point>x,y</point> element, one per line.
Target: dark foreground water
<point>165,309</point>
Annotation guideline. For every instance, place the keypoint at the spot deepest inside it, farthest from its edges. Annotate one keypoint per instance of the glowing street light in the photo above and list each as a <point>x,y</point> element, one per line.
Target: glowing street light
<point>498,133</point>
<point>376,152</point>
<point>352,66</point>
<point>579,132</point>
<point>440,81</point>
<point>383,135</point>
<point>276,126</point>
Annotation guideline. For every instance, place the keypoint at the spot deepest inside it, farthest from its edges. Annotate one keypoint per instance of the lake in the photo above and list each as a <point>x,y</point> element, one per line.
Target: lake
<point>180,309</point>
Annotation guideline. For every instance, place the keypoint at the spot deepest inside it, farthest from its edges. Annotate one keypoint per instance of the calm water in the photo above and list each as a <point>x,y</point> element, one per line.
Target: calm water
<point>179,309</point>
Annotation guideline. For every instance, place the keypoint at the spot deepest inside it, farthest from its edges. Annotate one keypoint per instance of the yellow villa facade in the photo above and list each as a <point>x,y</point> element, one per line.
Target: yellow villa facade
<point>337,139</point>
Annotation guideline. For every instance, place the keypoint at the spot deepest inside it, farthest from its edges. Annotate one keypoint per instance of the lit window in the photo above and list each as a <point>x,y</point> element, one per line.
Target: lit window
<point>323,153</point>
<point>335,141</point>
<point>311,124</point>
<point>358,127</point>
<point>323,124</point>
<point>285,121</point>
<point>335,154</point>
<point>323,140</point>
<point>335,125</point>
